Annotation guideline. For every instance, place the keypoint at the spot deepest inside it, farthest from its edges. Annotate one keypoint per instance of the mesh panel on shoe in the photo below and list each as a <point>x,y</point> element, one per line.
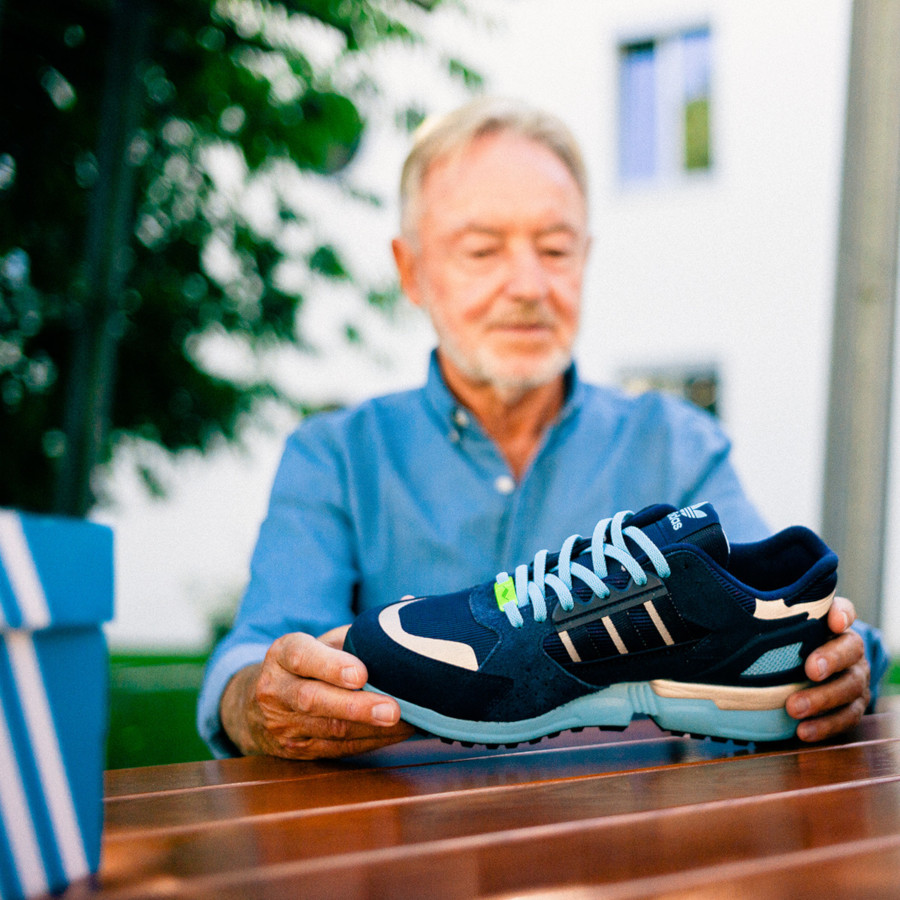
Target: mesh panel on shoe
<point>819,588</point>
<point>592,642</point>
<point>647,632</point>
<point>778,660</point>
<point>746,601</point>
<point>679,629</point>
<point>553,647</point>
<point>449,618</point>
<point>712,541</point>
<point>601,639</point>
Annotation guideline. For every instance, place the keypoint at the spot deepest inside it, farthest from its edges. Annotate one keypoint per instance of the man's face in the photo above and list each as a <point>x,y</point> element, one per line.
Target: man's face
<point>498,264</point>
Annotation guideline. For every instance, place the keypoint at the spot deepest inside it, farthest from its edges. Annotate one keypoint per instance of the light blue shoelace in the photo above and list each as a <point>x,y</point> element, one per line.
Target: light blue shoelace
<point>533,590</point>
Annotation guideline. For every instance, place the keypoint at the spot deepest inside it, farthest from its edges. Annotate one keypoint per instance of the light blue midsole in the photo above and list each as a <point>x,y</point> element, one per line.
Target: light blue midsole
<point>611,707</point>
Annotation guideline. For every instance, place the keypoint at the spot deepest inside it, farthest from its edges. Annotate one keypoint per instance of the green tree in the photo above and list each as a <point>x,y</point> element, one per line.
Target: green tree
<point>108,213</point>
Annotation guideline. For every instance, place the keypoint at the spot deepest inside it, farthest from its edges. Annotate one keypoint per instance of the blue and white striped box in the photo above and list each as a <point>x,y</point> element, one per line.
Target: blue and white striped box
<point>56,588</point>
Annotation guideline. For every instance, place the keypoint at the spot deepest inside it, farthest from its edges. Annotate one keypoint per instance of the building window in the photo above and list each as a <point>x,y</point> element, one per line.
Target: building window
<point>697,384</point>
<point>664,106</point>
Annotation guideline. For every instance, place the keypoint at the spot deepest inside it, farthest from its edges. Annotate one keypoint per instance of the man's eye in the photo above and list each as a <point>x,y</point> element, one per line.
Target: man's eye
<point>481,252</point>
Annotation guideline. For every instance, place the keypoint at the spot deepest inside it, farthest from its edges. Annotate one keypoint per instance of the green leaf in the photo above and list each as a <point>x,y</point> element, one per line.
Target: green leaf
<point>325,261</point>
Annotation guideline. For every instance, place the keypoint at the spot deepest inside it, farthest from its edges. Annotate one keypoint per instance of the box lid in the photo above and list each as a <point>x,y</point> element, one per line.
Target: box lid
<point>54,571</point>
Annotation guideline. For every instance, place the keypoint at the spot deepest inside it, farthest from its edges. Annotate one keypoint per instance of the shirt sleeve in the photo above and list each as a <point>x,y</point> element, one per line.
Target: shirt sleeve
<point>303,572</point>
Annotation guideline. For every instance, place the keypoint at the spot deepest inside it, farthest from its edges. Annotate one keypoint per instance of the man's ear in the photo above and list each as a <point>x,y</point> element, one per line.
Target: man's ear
<point>407,261</point>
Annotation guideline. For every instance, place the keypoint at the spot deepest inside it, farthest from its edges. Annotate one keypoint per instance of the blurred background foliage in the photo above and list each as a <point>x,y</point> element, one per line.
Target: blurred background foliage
<point>120,252</point>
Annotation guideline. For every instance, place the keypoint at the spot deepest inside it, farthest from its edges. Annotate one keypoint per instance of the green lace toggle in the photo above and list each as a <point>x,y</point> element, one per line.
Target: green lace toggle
<point>505,591</point>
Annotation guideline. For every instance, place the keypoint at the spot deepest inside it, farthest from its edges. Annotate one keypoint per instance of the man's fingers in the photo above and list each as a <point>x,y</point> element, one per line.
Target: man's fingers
<point>289,705</point>
<point>834,723</point>
<point>335,637</point>
<point>841,615</point>
<point>330,728</point>
<point>288,713</point>
<point>304,700</point>
<point>306,656</point>
<point>830,708</point>
<point>849,686</point>
<point>835,656</point>
<point>325,701</point>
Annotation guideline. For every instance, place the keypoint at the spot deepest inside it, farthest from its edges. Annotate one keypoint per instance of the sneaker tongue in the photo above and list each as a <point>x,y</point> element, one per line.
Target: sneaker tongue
<point>664,525</point>
<point>698,524</point>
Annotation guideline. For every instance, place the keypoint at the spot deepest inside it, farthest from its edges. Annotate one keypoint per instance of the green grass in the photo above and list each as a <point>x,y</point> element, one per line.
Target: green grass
<point>891,683</point>
<point>152,710</point>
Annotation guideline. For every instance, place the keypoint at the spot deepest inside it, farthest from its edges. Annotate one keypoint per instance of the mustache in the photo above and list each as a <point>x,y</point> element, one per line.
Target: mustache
<point>520,321</point>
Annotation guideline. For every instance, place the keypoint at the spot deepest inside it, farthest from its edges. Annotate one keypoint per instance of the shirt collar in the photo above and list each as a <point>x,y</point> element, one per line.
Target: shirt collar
<point>449,409</point>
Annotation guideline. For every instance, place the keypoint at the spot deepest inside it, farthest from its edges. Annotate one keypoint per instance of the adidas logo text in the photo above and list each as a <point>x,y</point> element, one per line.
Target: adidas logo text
<point>689,512</point>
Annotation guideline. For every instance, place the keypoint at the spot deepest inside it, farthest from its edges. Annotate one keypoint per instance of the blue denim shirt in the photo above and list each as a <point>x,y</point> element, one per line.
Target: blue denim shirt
<point>405,494</point>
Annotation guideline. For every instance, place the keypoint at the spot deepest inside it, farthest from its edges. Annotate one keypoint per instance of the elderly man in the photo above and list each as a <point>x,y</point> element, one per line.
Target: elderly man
<point>503,452</point>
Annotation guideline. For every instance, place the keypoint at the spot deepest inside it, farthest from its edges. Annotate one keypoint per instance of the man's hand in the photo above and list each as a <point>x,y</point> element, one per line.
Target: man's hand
<point>303,702</point>
<point>840,665</point>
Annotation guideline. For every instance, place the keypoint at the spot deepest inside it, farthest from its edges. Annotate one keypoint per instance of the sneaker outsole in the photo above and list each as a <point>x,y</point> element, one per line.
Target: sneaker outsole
<point>694,736</point>
<point>613,708</point>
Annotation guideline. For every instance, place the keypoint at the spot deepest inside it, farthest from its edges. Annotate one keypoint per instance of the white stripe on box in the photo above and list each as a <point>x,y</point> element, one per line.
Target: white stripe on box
<point>20,569</point>
<point>17,823</point>
<point>47,754</point>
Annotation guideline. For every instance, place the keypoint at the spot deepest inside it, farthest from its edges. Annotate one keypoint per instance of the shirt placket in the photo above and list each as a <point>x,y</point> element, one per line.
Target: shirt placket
<point>521,511</point>
<point>498,482</point>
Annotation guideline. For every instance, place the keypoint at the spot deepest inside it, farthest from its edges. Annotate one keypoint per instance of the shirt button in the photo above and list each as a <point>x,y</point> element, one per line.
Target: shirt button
<point>505,484</point>
<point>460,417</point>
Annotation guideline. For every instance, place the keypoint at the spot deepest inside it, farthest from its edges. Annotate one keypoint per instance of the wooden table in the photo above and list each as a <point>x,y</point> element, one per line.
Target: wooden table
<point>631,814</point>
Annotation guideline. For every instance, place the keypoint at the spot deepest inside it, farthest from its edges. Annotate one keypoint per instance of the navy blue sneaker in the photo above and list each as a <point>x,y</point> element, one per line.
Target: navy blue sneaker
<point>655,614</point>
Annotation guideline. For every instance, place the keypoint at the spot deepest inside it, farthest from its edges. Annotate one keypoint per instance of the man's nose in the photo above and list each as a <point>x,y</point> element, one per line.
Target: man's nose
<point>527,276</point>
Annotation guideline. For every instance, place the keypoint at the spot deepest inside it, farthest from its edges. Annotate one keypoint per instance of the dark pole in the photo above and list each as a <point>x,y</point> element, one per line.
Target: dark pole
<point>99,322</point>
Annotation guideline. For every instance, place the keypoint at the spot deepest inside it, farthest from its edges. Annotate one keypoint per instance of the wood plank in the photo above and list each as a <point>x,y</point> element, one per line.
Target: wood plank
<point>120,783</point>
<point>861,869</point>
<point>606,850</point>
<point>313,785</point>
<point>360,827</point>
<point>421,749</point>
<point>186,809</point>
